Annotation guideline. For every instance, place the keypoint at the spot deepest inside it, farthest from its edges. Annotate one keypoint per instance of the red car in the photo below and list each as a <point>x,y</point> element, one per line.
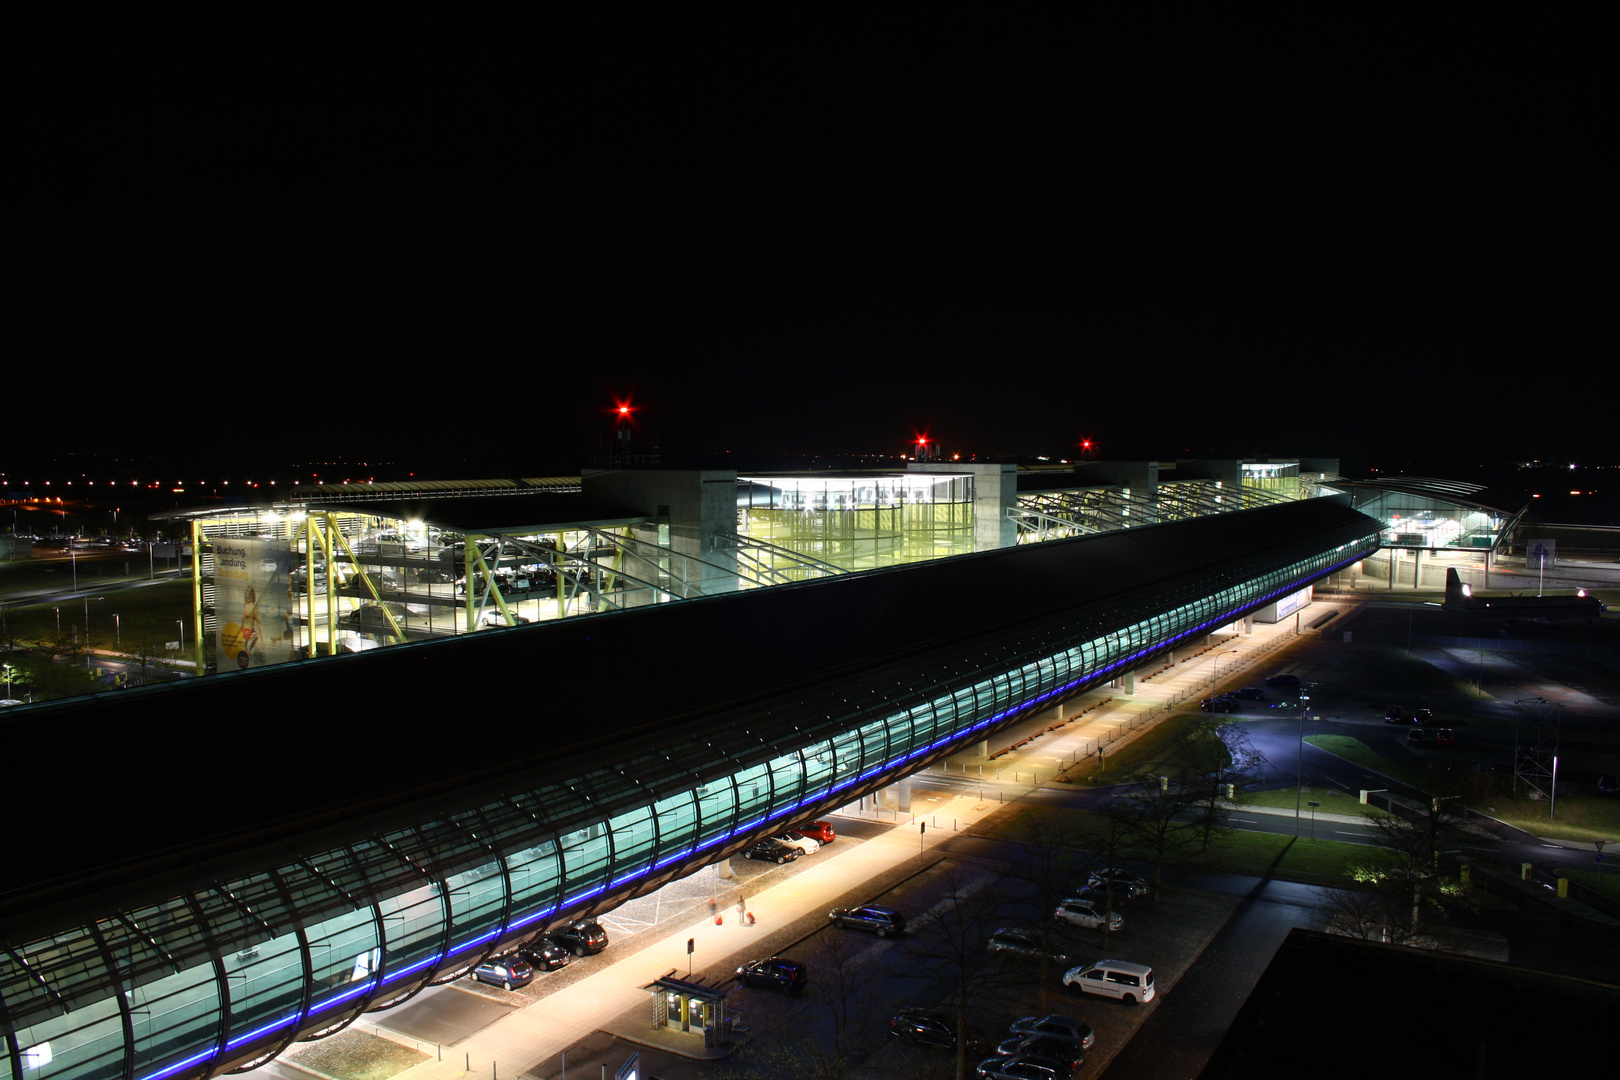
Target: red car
<point>819,831</point>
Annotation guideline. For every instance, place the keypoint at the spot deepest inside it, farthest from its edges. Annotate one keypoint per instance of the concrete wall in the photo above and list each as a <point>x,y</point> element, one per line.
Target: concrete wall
<point>698,505</point>
<point>995,491</point>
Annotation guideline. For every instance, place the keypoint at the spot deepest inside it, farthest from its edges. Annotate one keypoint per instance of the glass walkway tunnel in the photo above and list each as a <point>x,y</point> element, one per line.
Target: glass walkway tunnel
<point>312,840</point>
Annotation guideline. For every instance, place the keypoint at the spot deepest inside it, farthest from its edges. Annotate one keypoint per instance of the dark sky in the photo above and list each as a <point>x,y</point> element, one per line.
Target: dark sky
<point>797,236</point>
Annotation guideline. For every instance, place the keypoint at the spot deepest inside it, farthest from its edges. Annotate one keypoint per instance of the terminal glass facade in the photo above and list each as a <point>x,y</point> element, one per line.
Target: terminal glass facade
<point>230,971</point>
<point>860,522</point>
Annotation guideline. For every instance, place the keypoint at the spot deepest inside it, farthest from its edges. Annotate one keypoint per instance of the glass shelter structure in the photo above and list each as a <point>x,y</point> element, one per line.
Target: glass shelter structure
<point>401,851</point>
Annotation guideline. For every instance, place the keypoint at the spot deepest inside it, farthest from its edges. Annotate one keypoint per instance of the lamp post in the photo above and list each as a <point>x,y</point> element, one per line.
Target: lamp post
<point>1215,678</point>
<point>181,623</point>
<point>1299,767</point>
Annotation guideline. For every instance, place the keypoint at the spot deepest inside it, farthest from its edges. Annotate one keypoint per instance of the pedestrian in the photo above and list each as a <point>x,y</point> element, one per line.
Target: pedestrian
<point>713,909</point>
<point>742,911</point>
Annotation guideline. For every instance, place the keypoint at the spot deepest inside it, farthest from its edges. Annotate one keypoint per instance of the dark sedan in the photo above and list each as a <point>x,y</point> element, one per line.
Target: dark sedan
<point>935,1028</point>
<point>882,921</point>
<point>772,849</point>
<point>775,972</point>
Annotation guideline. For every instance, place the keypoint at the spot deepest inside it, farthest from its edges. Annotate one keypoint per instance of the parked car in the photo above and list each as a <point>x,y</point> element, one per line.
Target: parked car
<point>1125,883</point>
<point>799,840</point>
<point>774,971</point>
<point>819,831</point>
<point>584,938</point>
<point>773,850</point>
<point>505,972</point>
<point>1423,716</point>
<point>1022,1068</point>
<point>882,921</point>
<point>1070,1029</point>
<point>1284,681</point>
<point>1445,737</point>
<point>1416,736</point>
<point>544,954</point>
<point>1220,703</point>
<point>1251,693</point>
<point>1119,979</point>
<point>1395,715</point>
<point>495,618</point>
<point>1020,941</point>
<point>935,1028</point>
<point>1608,785</point>
<point>1087,911</point>
<point>1049,1047</point>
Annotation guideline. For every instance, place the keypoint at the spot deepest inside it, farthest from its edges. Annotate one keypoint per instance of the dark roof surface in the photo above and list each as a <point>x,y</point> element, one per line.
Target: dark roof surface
<point>226,761</point>
<point>519,512</point>
<point>1333,1007</point>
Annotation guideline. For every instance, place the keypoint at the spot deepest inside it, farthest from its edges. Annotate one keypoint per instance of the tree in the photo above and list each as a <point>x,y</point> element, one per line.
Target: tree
<point>846,990</point>
<point>1217,754</point>
<point>1392,896</point>
<point>1155,822</point>
<point>1054,860</point>
<point>144,643</point>
<point>948,952</point>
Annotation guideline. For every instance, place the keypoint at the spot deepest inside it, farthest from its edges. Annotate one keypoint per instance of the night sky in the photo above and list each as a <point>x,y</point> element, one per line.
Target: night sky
<point>811,236</point>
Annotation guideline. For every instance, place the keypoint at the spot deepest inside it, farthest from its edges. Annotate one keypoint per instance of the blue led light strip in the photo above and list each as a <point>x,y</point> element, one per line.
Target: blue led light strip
<point>957,736</point>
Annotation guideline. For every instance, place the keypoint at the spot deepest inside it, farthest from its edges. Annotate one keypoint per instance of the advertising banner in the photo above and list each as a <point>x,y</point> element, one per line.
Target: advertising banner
<point>253,595</point>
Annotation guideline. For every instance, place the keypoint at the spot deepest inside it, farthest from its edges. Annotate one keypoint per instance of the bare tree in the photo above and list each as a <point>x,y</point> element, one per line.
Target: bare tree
<point>1054,863</point>
<point>948,952</point>
<point>846,989</point>
<point>1156,826</point>
<point>1220,759</point>
<point>144,642</point>
<point>1392,898</point>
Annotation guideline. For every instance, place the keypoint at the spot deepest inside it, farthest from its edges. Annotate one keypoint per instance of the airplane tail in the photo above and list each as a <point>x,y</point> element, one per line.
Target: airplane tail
<point>1456,592</point>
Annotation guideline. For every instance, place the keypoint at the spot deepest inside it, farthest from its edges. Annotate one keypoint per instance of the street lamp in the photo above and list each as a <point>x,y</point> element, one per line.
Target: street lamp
<point>1215,678</point>
<point>1299,768</point>
<point>181,623</point>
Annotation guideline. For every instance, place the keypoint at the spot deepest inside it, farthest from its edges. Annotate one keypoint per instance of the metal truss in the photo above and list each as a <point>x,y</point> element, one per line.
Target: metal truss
<point>760,563</point>
<point>1053,515</point>
<point>1534,755</point>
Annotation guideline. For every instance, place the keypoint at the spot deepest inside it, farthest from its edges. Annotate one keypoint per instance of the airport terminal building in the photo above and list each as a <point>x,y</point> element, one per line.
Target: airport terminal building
<point>691,662</point>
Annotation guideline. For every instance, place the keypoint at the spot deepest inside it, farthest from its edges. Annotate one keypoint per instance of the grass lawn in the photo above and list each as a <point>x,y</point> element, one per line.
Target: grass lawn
<point>1333,801</point>
<point>1607,883</point>
<point>1580,817</point>
<point>1320,862</point>
<point>1316,861</point>
<point>1357,751</point>
<point>158,604</point>
<point>1154,751</point>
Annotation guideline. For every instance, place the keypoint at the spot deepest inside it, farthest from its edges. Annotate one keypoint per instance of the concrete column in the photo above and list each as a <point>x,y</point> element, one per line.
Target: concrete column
<point>1139,478</point>
<point>723,870</point>
<point>1130,682</point>
<point>1248,625</point>
<point>995,491</point>
<point>699,507</point>
<point>902,793</point>
<point>984,748</point>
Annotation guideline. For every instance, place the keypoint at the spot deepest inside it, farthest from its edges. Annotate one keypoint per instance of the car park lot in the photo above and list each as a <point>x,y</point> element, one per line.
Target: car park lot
<point>882,980</point>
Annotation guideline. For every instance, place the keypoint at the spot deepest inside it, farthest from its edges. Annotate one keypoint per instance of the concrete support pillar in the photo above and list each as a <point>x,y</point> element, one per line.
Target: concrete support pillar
<point>692,512</point>
<point>1140,480</point>
<point>995,492</point>
<point>984,748</point>
<point>1248,625</point>
<point>1130,682</point>
<point>902,795</point>
<point>723,870</point>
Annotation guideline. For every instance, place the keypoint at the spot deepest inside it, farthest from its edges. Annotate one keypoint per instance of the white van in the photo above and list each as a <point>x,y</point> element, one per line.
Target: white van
<point>1113,978</point>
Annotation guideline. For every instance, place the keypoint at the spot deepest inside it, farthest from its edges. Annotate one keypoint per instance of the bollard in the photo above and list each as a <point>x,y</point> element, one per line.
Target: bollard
<point>468,1062</point>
